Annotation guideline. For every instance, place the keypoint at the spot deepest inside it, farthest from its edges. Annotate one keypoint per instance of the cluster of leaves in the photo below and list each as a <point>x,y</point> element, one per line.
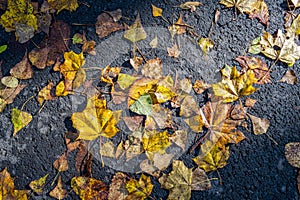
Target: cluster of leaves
<point>27,18</point>
<point>152,98</point>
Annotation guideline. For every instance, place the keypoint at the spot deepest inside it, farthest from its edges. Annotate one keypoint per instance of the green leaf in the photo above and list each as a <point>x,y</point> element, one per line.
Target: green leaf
<point>143,105</point>
<point>3,48</point>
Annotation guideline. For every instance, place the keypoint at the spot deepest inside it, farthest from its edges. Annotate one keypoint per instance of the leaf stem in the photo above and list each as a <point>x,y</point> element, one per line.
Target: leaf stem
<point>24,104</point>
<point>219,177</point>
<point>272,139</point>
<point>269,70</point>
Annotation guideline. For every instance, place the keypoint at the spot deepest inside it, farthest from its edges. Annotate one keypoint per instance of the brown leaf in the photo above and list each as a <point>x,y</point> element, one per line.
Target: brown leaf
<point>61,164</point>
<point>153,68</point>
<point>250,102</point>
<point>22,70</point>
<point>115,14</point>
<point>292,153</point>
<point>289,77</point>
<point>9,94</point>
<point>106,25</point>
<point>136,62</point>
<point>256,65</point>
<point>117,189</point>
<point>200,86</point>
<point>261,12</point>
<point>260,125</point>
<point>57,42</point>
<point>58,192</point>
<point>89,47</point>
<point>173,51</point>
<point>45,93</point>
<point>133,123</point>
<point>38,57</point>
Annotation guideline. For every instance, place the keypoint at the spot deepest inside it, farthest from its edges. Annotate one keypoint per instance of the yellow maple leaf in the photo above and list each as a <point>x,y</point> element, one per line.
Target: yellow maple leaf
<point>139,189</point>
<point>236,86</point>
<point>95,120</point>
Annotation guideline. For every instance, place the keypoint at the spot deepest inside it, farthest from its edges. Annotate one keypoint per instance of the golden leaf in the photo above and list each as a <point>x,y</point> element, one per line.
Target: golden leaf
<point>59,5</point>
<point>58,192</point>
<point>156,12</point>
<point>140,189</point>
<point>95,120</point>
<point>38,185</point>
<point>20,119</point>
<point>136,31</point>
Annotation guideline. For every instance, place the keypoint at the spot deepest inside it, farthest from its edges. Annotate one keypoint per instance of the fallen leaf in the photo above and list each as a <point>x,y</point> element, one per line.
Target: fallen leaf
<point>38,57</point>
<point>250,102</point>
<point>190,5</point>
<point>89,47</point>
<point>59,5</point>
<point>132,146</point>
<point>260,11</point>
<point>136,31</point>
<point>212,156</point>
<point>117,189</point>
<point>155,142</point>
<point>185,85</point>
<point>125,80</point>
<point>156,12</point>
<point>136,62</point>
<point>61,164</point>
<point>289,77</point>
<point>10,81</point>
<point>236,86</point>
<point>89,188</point>
<point>96,120</point>
<point>134,122</point>
<point>143,105</point>
<point>260,68</point>
<point>243,6</point>
<point>115,14</point>
<point>106,25</point>
<point>78,38</point>
<point>260,125</point>
<point>9,94</point>
<point>109,73</point>
<point>189,107</point>
<point>107,149</point>
<point>7,188</point>
<point>161,116</point>
<point>3,48</point>
<point>292,153</point>
<point>179,137</point>
<point>45,93</point>
<point>182,180</point>
<point>58,192</point>
<point>154,43</point>
<point>139,189</point>
<point>173,51</point>
<point>200,86</point>
<point>20,119</point>
<point>153,69</point>
<point>2,104</point>
<point>206,44</point>
<point>293,3</point>
<point>38,185</point>
<point>22,70</point>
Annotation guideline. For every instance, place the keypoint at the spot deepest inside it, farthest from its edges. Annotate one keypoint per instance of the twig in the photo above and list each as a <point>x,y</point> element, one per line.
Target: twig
<point>26,102</point>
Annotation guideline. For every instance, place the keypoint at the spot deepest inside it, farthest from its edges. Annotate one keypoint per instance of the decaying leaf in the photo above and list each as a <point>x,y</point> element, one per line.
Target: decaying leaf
<point>143,105</point>
<point>117,189</point>
<point>235,86</point>
<point>9,94</point>
<point>89,188</point>
<point>156,12</point>
<point>59,5</point>
<point>250,102</point>
<point>38,185</point>
<point>107,149</point>
<point>260,125</point>
<point>289,77</point>
<point>125,80</point>
<point>58,192</point>
<point>178,28</point>
<point>139,189</point>
<point>190,5</point>
<point>7,188</point>
<point>136,31</point>
<point>154,43</point>
<point>182,180</point>
<point>96,120</point>
<point>136,62</point>
<point>212,156</point>
<point>19,17</point>
<point>106,25</point>
<point>115,14</point>
<point>20,119</point>
<point>179,137</point>
<point>189,107</point>
<point>133,123</point>
<point>206,44</point>
<point>38,57</point>
<point>292,153</point>
<point>109,73</point>
<point>22,70</point>
<point>45,93</point>
<point>260,68</point>
<point>162,117</point>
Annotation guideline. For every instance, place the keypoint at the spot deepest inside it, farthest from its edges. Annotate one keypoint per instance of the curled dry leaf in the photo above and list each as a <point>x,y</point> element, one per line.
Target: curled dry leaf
<point>20,119</point>
<point>136,62</point>
<point>173,51</point>
<point>89,188</point>
<point>22,70</point>
<point>289,77</point>
<point>292,153</point>
<point>200,86</point>
<point>106,25</point>
<point>61,164</point>
<point>58,192</point>
<point>260,125</point>
<point>206,44</point>
<point>45,93</point>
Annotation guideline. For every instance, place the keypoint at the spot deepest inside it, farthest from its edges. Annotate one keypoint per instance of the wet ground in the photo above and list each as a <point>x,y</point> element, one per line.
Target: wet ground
<point>257,168</point>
